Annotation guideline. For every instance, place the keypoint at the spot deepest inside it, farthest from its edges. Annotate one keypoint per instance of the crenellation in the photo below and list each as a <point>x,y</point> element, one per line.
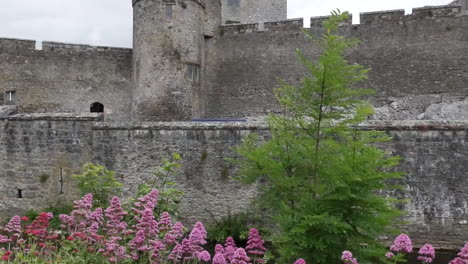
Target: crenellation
<point>389,16</point>
<point>58,47</point>
<point>239,29</point>
<point>290,24</point>
<point>433,12</point>
<point>17,44</point>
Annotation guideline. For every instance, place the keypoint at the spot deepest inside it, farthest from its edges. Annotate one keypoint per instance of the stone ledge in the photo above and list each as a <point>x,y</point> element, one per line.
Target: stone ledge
<point>415,125</point>
<point>54,117</point>
<point>181,126</point>
<point>384,125</point>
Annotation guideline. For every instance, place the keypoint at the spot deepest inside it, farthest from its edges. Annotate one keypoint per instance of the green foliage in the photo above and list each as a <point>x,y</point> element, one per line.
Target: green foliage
<point>323,174</point>
<point>163,180</point>
<point>236,226</point>
<point>99,181</point>
<point>43,178</point>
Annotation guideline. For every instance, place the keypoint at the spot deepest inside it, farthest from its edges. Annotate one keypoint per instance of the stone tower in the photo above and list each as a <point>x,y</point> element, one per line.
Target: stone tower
<point>168,53</point>
<point>253,11</point>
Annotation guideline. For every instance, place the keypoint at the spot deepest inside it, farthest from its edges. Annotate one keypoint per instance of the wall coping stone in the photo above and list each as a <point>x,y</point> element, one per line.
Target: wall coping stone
<point>181,126</point>
<point>55,117</point>
<point>383,125</point>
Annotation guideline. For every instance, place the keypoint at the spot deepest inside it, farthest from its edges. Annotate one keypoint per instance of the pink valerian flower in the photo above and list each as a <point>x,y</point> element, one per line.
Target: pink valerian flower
<point>85,203</point>
<point>389,255</point>
<point>147,223</point>
<point>165,222</point>
<point>426,253</point>
<point>174,234</point>
<point>148,201</point>
<point>38,227</point>
<point>255,246</point>
<point>458,260</point>
<point>347,257</point>
<point>113,250</point>
<point>198,236</point>
<point>115,227</point>
<point>4,239</point>
<point>14,226</point>
<point>230,242</point>
<point>462,256</point>
<point>204,256</point>
<point>229,248</point>
<point>138,242</point>
<point>219,249</point>
<point>95,220</point>
<point>158,246</point>
<point>240,257</point>
<point>50,216</point>
<point>190,248</point>
<point>402,243</point>
<point>300,261</point>
<point>219,259</point>
<point>115,214</point>
<point>183,251</point>
<point>464,252</point>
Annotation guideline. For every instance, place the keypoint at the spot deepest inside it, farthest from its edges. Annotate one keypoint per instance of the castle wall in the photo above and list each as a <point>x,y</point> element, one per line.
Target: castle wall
<point>39,152</point>
<point>421,59</point>
<point>253,11</point>
<point>66,77</point>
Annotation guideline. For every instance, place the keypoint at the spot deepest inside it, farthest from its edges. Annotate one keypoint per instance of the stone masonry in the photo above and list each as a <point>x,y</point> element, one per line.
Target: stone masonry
<point>66,104</point>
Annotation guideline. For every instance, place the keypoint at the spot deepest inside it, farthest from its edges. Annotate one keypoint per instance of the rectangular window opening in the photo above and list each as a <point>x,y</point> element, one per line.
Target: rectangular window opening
<point>235,3</point>
<point>10,97</point>
<point>193,73</point>
<point>169,12</point>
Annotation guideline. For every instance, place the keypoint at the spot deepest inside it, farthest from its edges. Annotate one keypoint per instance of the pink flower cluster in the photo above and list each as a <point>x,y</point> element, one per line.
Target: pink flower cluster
<point>231,254</point>
<point>122,236</point>
<point>402,244</point>
<point>347,258</point>
<point>462,256</point>
<point>426,253</point>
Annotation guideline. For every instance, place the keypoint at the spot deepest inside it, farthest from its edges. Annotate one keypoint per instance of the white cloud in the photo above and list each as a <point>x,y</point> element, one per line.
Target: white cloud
<point>109,22</point>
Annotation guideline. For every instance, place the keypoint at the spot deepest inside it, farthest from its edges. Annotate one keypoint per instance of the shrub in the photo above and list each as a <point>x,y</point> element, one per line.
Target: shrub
<point>99,181</point>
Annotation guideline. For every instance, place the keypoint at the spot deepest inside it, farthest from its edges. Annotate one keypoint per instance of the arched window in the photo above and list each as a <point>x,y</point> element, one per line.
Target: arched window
<point>96,108</point>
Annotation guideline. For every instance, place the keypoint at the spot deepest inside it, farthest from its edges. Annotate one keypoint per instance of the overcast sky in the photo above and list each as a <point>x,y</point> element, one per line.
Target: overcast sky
<point>109,22</point>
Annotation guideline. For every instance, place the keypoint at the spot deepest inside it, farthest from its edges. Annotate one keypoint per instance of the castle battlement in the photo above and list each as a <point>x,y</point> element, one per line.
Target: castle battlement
<point>22,46</point>
<point>60,47</point>
<point>377,17</point>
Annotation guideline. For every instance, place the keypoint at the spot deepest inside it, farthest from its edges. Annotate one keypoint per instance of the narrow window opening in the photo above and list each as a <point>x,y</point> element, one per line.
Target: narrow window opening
<point>97,108</point>
<point>169,12</point>
<point>61,181</point>
<point>235,3</point>
<point>10,97</point>
<point>193,73</point>
<point>19,194</point>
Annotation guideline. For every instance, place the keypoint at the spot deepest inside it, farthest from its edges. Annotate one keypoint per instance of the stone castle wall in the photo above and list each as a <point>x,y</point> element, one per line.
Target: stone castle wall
<point>253,11</point>
<point>40,153</point>
<point>66,77</point>
<point>419,68</point>
<point>418,62</point>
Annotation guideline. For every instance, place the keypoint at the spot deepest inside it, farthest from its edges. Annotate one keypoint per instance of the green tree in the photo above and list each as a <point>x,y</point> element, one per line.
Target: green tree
<point>323,174</point>
<point>99,181</point>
